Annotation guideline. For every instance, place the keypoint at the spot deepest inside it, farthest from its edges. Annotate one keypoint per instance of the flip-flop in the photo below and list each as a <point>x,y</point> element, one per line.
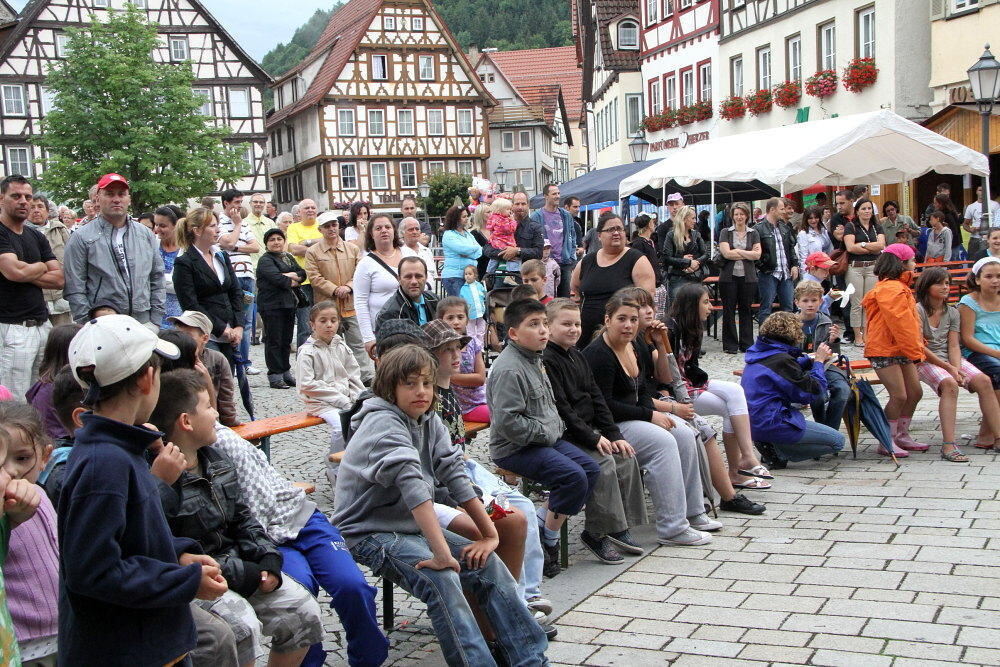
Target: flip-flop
<point>757,471</point>
<point>754,484</point>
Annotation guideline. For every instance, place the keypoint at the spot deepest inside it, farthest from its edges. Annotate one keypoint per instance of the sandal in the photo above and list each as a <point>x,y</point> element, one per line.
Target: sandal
<point>757,471</point>
<point>754,484</point>
<point>954,455</point>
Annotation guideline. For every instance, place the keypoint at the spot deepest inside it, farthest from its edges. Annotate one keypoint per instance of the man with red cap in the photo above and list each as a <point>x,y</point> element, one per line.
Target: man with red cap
<point>113,265</point>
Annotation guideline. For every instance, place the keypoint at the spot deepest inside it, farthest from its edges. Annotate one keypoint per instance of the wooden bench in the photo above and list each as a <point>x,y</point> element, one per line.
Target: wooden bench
<point>259,432</point>
<point>856,365</point>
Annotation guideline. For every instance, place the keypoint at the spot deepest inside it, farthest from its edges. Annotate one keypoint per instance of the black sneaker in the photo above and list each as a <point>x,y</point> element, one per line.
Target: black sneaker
<point>624,542</point>
<point>601,547</point>
<point>289,378</point>
<point>770,457</point>
<point>550,631</point>
<point>550,567</point>
<point>276,382</point>
<point>741,504</point>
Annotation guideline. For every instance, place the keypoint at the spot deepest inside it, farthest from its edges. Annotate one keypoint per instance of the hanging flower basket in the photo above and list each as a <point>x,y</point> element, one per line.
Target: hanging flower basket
<point>660,121</point>
<point>822,84</point>
<point>732,108</point>
<point>787,94</point>
<point>759,102</point>
<point>859,74</point>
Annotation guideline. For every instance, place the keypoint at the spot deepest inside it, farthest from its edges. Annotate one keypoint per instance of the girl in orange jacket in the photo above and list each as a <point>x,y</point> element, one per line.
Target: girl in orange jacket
<point>895,342</point>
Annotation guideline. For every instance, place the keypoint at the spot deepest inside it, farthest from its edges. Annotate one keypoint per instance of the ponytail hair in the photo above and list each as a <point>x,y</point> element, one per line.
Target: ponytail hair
<point>196,219</point>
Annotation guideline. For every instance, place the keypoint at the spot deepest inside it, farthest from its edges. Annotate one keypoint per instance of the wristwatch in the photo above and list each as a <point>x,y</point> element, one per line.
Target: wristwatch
<point>864,244</point>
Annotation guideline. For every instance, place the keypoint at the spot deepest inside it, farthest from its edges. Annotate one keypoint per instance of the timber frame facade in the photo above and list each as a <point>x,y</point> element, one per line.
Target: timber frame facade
<point>231,82</point>
<point>386,98</point>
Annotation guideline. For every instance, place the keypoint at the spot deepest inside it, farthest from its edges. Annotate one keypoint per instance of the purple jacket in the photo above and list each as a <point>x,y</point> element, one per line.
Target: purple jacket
<point>40,398</point>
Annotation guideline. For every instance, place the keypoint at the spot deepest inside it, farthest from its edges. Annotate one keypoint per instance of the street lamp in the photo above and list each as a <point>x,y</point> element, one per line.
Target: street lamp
<point>424,189</point>
<point>984,76</point>
<point>500,176</point>
<point>638,147</point>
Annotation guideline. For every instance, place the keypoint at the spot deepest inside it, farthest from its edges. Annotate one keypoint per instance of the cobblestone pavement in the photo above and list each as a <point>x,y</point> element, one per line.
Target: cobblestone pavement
<point>855,562</point>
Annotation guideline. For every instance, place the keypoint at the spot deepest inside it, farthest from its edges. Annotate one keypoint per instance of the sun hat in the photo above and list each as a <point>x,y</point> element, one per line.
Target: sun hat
<point>441,333</point>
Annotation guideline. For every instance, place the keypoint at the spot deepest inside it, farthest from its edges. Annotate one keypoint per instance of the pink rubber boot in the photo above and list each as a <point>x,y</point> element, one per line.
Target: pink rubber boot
<point>905,440</point>
<point>894,434</point>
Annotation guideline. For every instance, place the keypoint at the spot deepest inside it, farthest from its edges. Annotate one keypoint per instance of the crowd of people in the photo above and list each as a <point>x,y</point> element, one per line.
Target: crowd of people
<point>140,528</point>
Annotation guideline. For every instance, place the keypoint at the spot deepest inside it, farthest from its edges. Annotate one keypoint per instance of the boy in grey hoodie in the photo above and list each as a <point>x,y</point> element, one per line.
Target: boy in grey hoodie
<point>819,328</point>
<point>399,451</point>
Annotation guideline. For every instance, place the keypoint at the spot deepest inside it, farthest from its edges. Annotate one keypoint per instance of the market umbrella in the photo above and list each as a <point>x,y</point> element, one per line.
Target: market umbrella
<point>864,408</point>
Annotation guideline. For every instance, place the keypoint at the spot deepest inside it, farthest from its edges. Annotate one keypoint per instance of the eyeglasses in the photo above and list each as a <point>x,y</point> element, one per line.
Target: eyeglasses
<point>613,230</point>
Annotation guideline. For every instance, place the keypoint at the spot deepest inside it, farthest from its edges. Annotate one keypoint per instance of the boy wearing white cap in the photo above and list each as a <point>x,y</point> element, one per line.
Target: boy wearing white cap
<point>124,581</point>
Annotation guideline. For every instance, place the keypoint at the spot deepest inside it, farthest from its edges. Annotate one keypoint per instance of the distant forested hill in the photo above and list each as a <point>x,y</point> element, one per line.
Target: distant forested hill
<point>504,24</point>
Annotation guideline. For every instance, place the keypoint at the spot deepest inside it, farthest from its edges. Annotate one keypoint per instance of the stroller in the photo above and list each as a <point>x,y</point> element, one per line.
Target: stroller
<point>500,286</point>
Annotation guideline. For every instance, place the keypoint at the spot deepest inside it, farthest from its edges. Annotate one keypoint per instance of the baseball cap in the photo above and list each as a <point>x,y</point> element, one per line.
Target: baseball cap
<point>403,328</point>
<point>904,252</point>
<point>108,179</point>
<point>819,259</point>
<point>675,196</point>
<point>116,346</point>
<point>326,217</point>
<point>440,333</point>
<point>547,243</point>
<point>193,318</point>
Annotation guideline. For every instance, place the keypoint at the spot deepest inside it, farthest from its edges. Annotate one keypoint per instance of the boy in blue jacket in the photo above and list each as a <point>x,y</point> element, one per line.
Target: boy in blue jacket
<point>125,583</point>
<point>779,374</point>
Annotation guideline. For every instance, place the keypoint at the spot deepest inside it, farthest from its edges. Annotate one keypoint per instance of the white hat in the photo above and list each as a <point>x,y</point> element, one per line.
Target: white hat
<point>327,216</point>
<point>547,242</point>
<point>116,346</point>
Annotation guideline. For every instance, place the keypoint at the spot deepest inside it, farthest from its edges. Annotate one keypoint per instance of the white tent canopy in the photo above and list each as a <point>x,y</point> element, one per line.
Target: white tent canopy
<point>875,147</point>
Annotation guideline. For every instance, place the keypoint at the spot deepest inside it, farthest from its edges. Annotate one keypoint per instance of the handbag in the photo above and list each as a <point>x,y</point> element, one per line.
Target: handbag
<point>301,300</point>
<point>839,258</point>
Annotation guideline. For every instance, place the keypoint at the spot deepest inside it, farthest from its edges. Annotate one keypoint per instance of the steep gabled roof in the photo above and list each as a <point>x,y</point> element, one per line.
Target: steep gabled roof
<point>622,60</point>
<point>545,66</point>
<point>32,10</point>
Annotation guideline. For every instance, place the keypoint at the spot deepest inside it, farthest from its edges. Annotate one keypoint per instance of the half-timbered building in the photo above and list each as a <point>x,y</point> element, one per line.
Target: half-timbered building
<point>386,98</point>
<point>230,81</point>
<point>680,45</point>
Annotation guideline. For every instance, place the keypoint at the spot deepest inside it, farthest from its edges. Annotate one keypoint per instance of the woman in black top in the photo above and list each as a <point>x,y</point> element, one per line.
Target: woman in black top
<point>864,240</point>
<point>642,240</point>
<point>684,251</point>
<point>277,275</point>
<point>205,281</point>
<point>739,246</point>
<point>599,275</point>
<point>952,221</point>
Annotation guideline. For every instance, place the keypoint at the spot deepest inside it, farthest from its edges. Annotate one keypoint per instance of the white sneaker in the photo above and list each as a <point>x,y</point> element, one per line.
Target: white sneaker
<point>688,538</point>
<point>538,603</point>
<point>541,618</point>
<point>252,371</point>
<point>704,523</point>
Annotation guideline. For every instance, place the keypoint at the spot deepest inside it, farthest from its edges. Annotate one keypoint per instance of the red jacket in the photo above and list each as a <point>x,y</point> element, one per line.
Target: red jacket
<point>893,326</point>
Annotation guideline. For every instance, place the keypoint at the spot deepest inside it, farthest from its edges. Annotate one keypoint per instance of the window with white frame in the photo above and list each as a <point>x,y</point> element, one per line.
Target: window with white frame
<point>62,41</point>
<point>668,8</point>
<point>239,102</point>
<point>524,140</point>
<point>965,4</point>
<point>404,122</point>
<point>828,45</point>
<point>465,167</point>
<point>48,98</point>
<point>378,172</point>
<point>139,4</point>
<point>686,3</point>
<point>793,57</point>
<point>705,82</point>
<point>633,113</point>
<point>348,176</point>
<point>670,99</point>
<point>435,167</point>
<point>380,67</point>
<point>651,10</point>
<point>628,35</point>
<point>180,50</point>
<point>764,68</point>
<point>654,97</point>
<point>426,68</point>
<point>102,4</point>
<point>866,32</point>
<point>376,122</point>
<point>13,100</point>
<point>19,160</point>
<point>465,125</point>
<point>206,100</point>
<point>527,179</point>
<point>408,174</point>
<point>389,22</point>
<point>417,23</point>
<point>507,141</point>
<point>247,156</point>
<point>736,76</point>
<point>687,86</point>
<point>345,123</point>
<point>435,122</point>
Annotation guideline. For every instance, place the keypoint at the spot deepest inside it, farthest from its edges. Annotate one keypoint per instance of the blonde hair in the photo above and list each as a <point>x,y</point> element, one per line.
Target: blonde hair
<point>478,219</point>
<point>783,327</point>
<point>196,219</point>
<point>554,307</point>
<point>680,231</point>
<point>808,288</point>
<point>501,206</point>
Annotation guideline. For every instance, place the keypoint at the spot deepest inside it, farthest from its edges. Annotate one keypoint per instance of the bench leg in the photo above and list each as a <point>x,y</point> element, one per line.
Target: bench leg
<point>388,607</point>
<point>564,545</point>
<point>265,446</point>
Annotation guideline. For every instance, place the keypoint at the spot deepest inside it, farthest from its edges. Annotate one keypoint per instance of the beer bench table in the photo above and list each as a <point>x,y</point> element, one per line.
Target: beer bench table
<point>856,365</point>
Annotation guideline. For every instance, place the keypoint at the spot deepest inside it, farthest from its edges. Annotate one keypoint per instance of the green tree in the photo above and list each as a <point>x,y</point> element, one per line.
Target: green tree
<point>445,188</point>
<point>116,110</point>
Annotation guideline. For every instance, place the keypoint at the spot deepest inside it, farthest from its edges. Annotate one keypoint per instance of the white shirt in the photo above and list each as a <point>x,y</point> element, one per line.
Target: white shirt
<point>118,238</point>
<point>974,213</point>
<point>241,261</point>
<point>373,286</point>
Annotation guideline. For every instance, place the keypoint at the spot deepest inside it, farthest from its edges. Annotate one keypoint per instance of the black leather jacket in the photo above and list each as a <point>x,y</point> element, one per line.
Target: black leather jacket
<point>768,261</point>
<point>674,261</point>
<point>399,307</point>
<point>210,510</point>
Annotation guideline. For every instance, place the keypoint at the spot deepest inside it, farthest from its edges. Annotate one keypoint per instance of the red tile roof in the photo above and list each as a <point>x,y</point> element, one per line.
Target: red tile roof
<point>607,12</point>
<point>544,67</point>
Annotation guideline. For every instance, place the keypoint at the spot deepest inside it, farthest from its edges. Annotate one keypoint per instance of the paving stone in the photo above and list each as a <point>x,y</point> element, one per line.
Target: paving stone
<point>846,659</point>
<point>665,628</point>
<point>850,577</point>
<point>690,660</point>
<point>674,566</point>
<point>883,594</point>
<point>722,633</point>
<point>924,650</point>
<point>785,654</point>
<point>829,624</point>
<point>918,632</point>
<point>630,639</point>
<point>575,653</point>
<point>628,657</point>
<point>632,591</point>
<point>701,597</point>
<point>820,591</point>
<point>973,617</point>
<point>880,610</point>
<point>884,551</point>
<point>588,620</point>
<point>739,617</point>
<point>850,644</point>
<point>629,608</point>
<point>776,637</point>
<point>932,583</point>
<point>759,572</point>
<point>704,647</point>
<point>789,603</point>
<point>984,656</point>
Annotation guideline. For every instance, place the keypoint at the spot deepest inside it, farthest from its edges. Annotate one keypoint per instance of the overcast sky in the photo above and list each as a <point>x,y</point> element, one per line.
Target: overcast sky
<point>256,24</point>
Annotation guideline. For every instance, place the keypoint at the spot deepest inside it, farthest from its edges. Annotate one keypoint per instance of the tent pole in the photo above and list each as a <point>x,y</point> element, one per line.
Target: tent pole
<point>663,201</point>
<point>711,224</point>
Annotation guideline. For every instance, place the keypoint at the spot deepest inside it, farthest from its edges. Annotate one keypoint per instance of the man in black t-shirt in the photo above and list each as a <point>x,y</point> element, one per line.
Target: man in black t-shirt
<point>27,266</point>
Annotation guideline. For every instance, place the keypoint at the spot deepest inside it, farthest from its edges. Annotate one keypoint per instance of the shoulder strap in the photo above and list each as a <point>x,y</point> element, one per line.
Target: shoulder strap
<point>383,264</point>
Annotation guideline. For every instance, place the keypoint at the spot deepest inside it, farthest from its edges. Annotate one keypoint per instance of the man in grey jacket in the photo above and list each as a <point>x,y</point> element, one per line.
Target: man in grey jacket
<point>114,264</point>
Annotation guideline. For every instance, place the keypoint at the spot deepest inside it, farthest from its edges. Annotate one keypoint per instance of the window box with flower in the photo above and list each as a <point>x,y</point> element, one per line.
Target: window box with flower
<point>822,84</point>
<point>759,102</point>
<point>859,74</point>
<point>732,108</point>
<point>787,94</point>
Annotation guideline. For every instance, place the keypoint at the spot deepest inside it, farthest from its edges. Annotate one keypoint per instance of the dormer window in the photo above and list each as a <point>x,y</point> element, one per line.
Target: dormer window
<point>628,35</point>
